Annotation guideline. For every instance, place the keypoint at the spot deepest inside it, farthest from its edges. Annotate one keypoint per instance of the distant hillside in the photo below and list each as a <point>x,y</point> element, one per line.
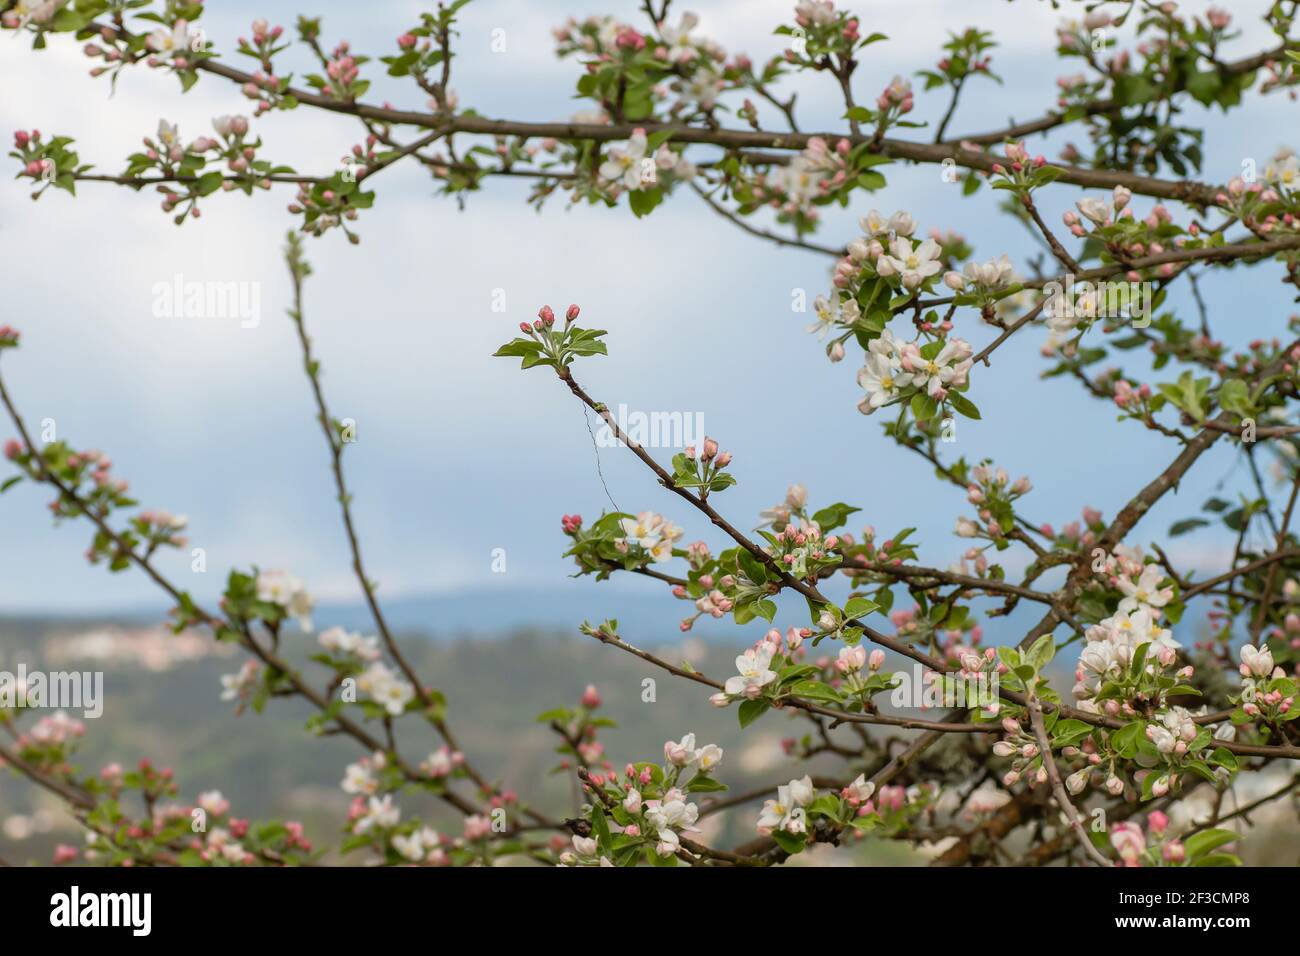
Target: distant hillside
<point>269,766</point>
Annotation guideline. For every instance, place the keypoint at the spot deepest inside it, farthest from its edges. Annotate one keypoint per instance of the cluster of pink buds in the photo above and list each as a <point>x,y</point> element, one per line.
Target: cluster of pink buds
<point>715,604</point>
<point>9,337</point>
<point>342,70</point>
<point>905,620</point>
<point>830,161</point>
<point>709,452</point>
<point>162,526</point>
<point>232,129</point>
<point>892,798</point>
<point>1244,198</point>
<point>1126,395</point>
<point>35,165</point>
<point>109,53</point>
<point>440,763</point>
<point>1130,842</point>
<point>264,37</point>
<point>323,214</point>
<point>1018,159</point>
<point>897,95</point>
<point>52,731</point>
<point>629,39</point>
<point>697,554</point>
<point>296,838</point>
<point>801,535</point>
<point>978,65</point>
<point>546,319</point>
<point>65,854</point>
<point>973,662</point>
<point>263,88</point>
<point>1019,744</point>
<point>1218,18</point>
<point>571,524</point>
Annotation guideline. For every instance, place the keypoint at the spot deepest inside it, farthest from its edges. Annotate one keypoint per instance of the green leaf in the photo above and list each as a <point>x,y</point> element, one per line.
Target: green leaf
<point>924,407</point>
<point>1125,740</point>
<point>1041,652</point>
<point>790,842</point>
<point>832,516</point>
<point>643,201</point>
<point>208,183</point>
<point>704,784</point>
<point>751,710</point>
<point>1199,844</point>
<point>859,607</point>
<point>963,405</point>
<point>1234,396</point>
<point>1069,732</point>
<point>816,690</point>
<point>1224,758</point>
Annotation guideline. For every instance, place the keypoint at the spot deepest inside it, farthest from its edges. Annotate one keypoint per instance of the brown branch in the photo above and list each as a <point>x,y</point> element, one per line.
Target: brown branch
<point>1058,787</point>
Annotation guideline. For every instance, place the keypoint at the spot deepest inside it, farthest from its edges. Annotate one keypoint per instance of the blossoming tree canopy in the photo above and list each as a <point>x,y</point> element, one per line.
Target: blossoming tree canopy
<point>1127,763</point>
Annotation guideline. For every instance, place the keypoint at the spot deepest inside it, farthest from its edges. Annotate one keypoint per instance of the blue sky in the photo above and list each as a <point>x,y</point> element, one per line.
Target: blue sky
<point>460,453</point>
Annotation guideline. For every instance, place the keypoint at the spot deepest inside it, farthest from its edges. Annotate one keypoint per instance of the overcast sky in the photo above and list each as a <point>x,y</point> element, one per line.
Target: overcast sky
<point>460,453</point>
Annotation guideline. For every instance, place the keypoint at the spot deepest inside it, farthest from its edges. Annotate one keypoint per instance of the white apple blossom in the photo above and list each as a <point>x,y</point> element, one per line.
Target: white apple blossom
<point>1098,210</point>
<point>286,591</point>
<point>818,13</point>
<point>168,133</point>
<point>1284,171</point>
<point>1146,591</point>
<point>623,166</point>
<point>992,275</point>
<point>668,817</point>
<point>681,48</point>
<point>859,791</point>
<point>903,224</point>
<point>419,846</point>
<point>652,533</point>
<point>753,673</point>
<point>675,163</point>
<point>702,89</point>
<point>380,812</point>
<point>340,641</point>
<point>1256,661</point>
<point>883,380</point>
<point>386,688</point>
<point>680,753</point>
<point>235,686</point>
<point>786,811</point>
<point>839,309</point>
<point>359,779</point>
<point>175,40</point>
<point>874,224</point>
<point>913,263</point>
<point>708,757</point>
<point>948,369</point>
